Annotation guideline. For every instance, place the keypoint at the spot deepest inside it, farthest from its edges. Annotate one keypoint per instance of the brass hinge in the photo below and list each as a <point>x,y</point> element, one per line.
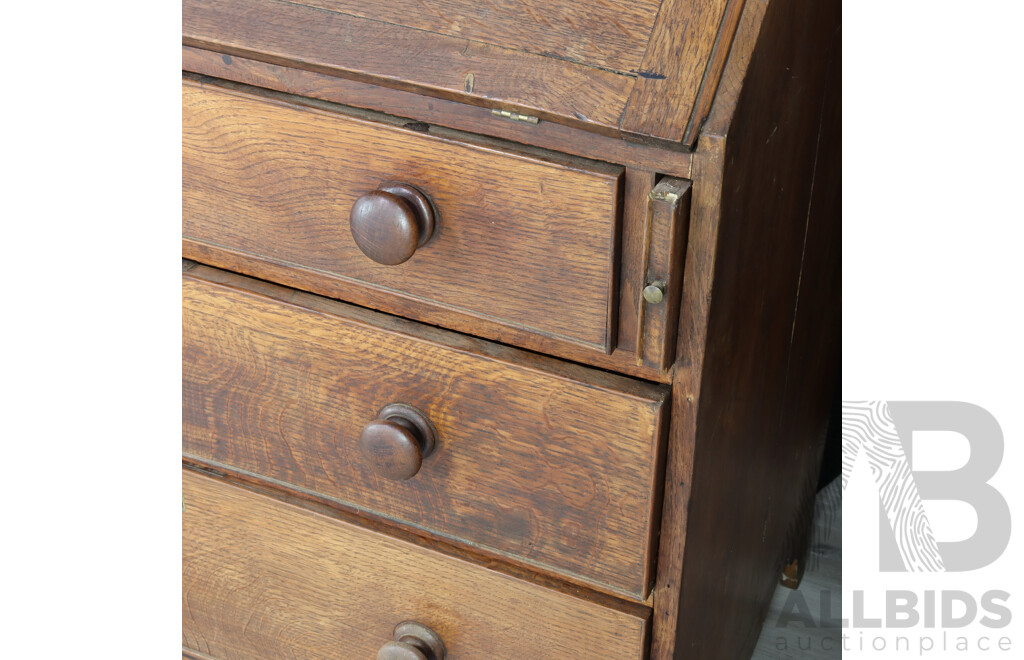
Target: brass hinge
<point>514,116</point>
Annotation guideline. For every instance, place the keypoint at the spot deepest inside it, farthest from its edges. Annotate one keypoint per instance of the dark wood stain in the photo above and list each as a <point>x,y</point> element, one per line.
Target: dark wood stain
<point>758,341</point>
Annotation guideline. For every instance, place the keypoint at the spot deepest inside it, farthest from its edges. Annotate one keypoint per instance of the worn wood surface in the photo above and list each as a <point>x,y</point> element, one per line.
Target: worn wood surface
<point>757,341</point>
<point>325,506</point>
<point>264,579</point>
<point>637,69</point>
<point>610,34</point>
<point>817,332</point>
<point>437,112</point>
<point>664,243</point>
<point>668,636</point>
<point>517,237</point>
<point>621,360</point>
<point>716,67</point>
<point>545,463</point>
<point>304,37</point>
<point>758,315</point>
<point>638,184</point>
<point>673,69</point>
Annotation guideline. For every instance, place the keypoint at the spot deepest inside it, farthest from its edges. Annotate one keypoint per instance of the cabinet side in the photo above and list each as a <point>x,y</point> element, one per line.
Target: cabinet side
<point>759,332</point>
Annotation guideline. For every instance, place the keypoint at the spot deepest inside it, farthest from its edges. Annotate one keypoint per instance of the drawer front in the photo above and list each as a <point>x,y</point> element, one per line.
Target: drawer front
<point>525,242</point>
<point>264,579</point>
<point>551,465</point>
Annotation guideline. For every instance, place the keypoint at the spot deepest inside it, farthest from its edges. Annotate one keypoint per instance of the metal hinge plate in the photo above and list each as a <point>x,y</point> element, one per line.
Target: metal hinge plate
<point>514,116</point>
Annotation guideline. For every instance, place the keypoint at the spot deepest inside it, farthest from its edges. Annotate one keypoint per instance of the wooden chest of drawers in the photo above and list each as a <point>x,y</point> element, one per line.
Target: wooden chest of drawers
<point>508,327</point>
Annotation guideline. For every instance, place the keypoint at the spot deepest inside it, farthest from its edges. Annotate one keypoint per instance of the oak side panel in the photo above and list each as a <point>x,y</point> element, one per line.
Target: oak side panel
<point>817,333</point>
<point>264,579</point>
<point>752,410</point>
<point>518,237</point>
<point>553,466</point>
<point>611,34</point>
<point>290,34</point>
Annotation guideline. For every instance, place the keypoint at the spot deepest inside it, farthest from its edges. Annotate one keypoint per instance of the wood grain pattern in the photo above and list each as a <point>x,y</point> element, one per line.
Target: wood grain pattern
<point>438,112</point>
<point>518,237</point>
<point>638,185</point>
<point>326,507</point>
<point>308,38</point>
<point>621,360</point>
<point>264,579</point>
<point>757,326</point>
<point>668,217</point>
<point>669,639</point>
<point>545,463</point>
<point>611,34</point>
<point>816,345</point>
<point>609,67</point>
<point>674,68</point>
<point>716,67</point>
<point>751,396</point>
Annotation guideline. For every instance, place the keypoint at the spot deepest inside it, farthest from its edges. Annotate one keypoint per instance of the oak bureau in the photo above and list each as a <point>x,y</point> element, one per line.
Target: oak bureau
<point>509,326</point>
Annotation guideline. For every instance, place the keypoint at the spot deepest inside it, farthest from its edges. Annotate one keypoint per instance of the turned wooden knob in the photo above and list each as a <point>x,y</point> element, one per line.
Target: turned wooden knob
<point>391,222</point>
<point>413,641</point>
<point>396,443</point>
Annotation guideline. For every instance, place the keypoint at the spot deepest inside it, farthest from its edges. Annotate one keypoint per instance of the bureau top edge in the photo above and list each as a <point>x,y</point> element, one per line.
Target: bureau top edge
<point>642,70</point>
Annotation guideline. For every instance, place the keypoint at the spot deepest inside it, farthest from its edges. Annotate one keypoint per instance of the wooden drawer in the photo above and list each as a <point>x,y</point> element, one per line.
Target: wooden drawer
<point>525,241</point>
<point>551,465</point>
<point>265,579</point>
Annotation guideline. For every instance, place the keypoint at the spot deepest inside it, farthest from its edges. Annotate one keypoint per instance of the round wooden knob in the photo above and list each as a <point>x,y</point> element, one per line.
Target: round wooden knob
<point>390,223</point>
<point>413,641</point>
<point>396,443</point>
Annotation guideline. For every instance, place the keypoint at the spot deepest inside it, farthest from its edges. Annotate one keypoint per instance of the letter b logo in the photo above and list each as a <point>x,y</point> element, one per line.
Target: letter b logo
<point>883,430</point>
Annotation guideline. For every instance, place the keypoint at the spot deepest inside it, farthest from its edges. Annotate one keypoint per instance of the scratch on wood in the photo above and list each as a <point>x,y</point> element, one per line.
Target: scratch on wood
<point>470,81</point>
